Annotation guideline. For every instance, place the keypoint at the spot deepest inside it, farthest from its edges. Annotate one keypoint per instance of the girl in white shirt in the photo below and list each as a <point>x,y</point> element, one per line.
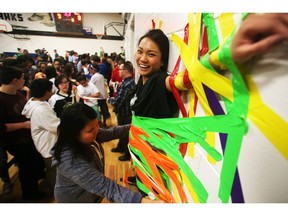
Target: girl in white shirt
<point>65,96</point>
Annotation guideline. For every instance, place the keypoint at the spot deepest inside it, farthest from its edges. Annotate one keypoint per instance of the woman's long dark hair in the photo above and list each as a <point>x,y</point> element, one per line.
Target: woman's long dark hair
<point>158,37</point>
<point>73,119</point>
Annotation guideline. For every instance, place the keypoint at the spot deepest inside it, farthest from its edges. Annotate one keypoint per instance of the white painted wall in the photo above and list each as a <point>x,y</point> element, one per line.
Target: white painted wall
<point>263,170</point>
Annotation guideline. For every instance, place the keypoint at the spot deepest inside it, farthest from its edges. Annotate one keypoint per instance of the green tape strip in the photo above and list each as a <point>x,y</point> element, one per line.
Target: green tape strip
<point>213,40</point>
<point>237,111</point>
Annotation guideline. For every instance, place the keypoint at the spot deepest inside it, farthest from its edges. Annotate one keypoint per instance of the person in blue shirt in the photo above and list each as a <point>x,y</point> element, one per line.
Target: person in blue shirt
<point>122,107</point>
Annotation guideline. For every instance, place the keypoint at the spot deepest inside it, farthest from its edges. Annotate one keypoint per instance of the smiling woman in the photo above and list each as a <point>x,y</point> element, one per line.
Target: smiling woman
<point>153,96</point>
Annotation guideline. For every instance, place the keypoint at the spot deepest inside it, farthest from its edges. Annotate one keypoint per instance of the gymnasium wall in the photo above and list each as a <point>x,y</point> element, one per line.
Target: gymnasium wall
<point>81,45</point>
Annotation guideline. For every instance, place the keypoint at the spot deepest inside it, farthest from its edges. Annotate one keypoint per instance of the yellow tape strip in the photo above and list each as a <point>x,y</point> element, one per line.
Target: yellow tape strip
<point>190,188</point>
<point>266,120</point>
<point>179,81</point>
<point>211,141</point>
<point>227,24</point>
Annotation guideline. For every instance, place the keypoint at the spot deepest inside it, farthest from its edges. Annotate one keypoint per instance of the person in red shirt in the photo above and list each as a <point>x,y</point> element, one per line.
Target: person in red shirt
<point>115,80</point>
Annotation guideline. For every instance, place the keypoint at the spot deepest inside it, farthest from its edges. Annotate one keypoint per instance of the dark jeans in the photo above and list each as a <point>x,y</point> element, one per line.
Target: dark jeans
<point>50,175</point>
<point>4,173</point>
<point>104,109</point>
<point>123,142</point>
<point>30,163</point>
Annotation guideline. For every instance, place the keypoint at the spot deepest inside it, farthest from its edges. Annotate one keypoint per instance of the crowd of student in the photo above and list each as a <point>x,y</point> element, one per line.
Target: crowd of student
<point>48,87</point>
<point>53,91</point>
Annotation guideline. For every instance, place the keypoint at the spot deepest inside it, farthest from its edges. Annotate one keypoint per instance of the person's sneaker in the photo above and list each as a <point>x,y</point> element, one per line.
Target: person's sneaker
<point>124,158</point>
<point>7,187</point>
<point>116,150</point>
<point>131,180</point>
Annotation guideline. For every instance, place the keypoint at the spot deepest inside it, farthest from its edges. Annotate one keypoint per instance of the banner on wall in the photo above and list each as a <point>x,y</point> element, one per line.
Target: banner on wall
<point>31,21</point>
<point>46,22</point>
